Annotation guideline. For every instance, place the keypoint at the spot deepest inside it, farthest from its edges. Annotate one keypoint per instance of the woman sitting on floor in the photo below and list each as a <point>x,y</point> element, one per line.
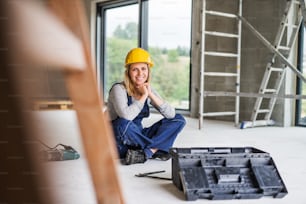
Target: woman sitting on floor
<point>128,104</point>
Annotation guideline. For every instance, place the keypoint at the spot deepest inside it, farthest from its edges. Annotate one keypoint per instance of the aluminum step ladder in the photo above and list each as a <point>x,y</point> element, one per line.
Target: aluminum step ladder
<point>276,69</point>
<point>209,11</point>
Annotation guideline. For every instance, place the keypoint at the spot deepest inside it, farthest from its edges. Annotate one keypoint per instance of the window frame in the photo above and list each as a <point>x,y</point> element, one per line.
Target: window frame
<point>299,82</point>
<point>100,43</point>
<point>100,46</point>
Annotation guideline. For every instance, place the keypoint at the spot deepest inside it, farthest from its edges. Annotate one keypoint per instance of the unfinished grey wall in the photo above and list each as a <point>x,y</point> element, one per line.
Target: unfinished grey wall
<point>265,16</point>
<point>213,64</point>
<point>50,84</point>
<point>221,64</point>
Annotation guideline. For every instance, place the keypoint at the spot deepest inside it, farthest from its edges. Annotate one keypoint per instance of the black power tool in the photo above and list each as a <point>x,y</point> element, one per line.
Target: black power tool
<point>59,154</point>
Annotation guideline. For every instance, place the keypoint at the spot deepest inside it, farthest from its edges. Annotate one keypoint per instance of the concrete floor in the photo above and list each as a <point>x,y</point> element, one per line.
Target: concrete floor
<point>287,146</point>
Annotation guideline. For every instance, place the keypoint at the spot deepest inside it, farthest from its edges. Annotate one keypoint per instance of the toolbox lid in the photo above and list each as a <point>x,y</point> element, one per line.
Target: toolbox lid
<point>220,173</point>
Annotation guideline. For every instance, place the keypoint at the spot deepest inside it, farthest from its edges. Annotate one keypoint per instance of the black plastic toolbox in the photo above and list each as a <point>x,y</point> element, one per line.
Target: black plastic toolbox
<point>220,173</point>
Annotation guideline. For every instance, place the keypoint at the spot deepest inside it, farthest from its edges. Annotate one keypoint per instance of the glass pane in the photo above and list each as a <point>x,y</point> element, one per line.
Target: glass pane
<point>121,29</point>
<point>169,38</point>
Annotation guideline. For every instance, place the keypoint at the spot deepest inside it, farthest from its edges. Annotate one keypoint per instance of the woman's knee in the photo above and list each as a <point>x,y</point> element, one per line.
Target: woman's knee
<point>178,121</point>
<point>179,117</point>
<point>121,125</point>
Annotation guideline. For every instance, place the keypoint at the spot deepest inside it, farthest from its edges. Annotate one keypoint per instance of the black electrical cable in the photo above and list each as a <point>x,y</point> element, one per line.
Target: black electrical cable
<point>65,146</point>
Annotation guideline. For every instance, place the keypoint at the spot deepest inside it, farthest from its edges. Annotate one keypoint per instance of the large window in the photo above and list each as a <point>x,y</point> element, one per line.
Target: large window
<point>301,86</point>
<point>169,34</point>
<point>161,26</point>
<point>117,34</point>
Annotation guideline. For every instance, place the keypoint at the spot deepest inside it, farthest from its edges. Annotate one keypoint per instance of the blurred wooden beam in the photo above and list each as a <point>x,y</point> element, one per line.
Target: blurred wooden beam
<point>95,128</point>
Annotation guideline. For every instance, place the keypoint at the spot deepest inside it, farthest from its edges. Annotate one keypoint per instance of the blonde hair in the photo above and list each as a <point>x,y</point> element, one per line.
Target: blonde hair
<point>130,88</point>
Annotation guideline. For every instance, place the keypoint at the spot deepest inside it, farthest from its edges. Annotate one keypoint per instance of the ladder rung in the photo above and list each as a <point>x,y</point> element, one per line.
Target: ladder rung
<point>219,113</point>
<point>263,111</point>
<point>275,69</point>
<point>221,54</point>
<point>225,74</point>
<point>284,48</point>
<point>291,25</point>
<point>214,33</point>
<point>269,91</point>
<point>217,13</point>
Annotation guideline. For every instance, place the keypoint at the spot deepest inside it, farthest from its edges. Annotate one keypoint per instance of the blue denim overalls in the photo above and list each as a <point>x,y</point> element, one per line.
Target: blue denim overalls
<point>131,134</point>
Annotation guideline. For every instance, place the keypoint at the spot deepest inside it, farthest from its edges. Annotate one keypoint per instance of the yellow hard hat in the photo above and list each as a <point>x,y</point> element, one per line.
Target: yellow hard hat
<point>136,55</point>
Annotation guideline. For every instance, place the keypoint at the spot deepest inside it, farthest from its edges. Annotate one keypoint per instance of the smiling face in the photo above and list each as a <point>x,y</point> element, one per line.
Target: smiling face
<point>139,73</point>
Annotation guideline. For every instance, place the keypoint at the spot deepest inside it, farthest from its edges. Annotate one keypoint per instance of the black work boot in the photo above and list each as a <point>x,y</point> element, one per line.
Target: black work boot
<point>135,156</point>
<point>161,155</point>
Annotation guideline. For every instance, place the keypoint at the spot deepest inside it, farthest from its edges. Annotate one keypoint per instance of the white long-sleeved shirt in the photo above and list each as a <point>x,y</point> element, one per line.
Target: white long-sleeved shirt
<point>118,105</point>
